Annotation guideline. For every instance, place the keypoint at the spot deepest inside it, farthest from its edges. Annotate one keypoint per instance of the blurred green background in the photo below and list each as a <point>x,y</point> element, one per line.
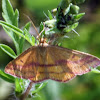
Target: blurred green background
<point>85,87</point>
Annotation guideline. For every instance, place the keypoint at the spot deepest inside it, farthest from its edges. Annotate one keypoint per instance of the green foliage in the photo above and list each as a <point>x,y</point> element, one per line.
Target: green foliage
<point>23,33</point>
<point>38,87</point>
<point>22,40</point>
<point>20,86</point>
<point>10,25</point>
<point>18,36</point>
<point>41,29</point>
<point>95,70</point>
<point>78,1</point>
<point>50,15</point>
<point>64,19</point>
<point>11,18</point>
<point>7,77</point>
<point>70,28</point>
<point>8,50</point>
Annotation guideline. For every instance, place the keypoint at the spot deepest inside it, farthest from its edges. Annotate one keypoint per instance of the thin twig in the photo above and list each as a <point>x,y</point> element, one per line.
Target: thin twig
<point>23,97</point>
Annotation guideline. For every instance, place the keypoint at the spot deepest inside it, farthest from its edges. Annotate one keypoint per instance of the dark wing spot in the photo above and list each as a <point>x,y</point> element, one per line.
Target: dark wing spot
<point>22,61</point>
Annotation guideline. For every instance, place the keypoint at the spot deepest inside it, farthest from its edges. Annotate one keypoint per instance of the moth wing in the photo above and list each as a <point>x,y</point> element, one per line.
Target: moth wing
<point>51,62</point>
<point>69,63</point>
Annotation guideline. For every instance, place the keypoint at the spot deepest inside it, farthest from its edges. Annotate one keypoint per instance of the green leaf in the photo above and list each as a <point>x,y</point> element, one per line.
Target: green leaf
<point>74,9</point>
<point>50,15</point>
<point>50,23</point>
<point>22,40</point>
<point>12,27</point>
<point>78,16</point>
<point>8,50</point>
<point>64,3</point>
<point>94,70</point>
<point>11,17</point>
<point>7,77</point>
<point>42,29</point>
<point>70,27</point>
<point>27,26</point>
<point>33,40</point>
<point>7,11</point>
<point>16,18</point>
<point>20,85</point>
<point>67,10</point>
<point>39,87</point>
<point>29,38</point>
<point>27,35</point>
<point>18,31</point>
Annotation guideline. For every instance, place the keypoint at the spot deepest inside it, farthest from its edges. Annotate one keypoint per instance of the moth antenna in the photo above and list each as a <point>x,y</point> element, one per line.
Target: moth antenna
<point>41,32</point>
<point>32,24</point>
<point>75,32</point>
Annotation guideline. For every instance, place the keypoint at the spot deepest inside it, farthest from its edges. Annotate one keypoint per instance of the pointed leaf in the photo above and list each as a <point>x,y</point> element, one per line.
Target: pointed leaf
<point>22,40</point>
<point>8,50</point>
<point>12,27</point>
<point>7,11</point>
<point>29,38</point>
<point>70,27</point>
<point>42,29</point>
<point>39,87</point>
<point>50,23</point>
<point>78,16</point>
<point>94,70</point>
<point>18,31</point>
<point>11,17</point>
<point>50,15</point>
<point>27,35</point>
<point>18,86</point>
<point>33,40</point>
<point>27,26</point>
<point>7,77</point>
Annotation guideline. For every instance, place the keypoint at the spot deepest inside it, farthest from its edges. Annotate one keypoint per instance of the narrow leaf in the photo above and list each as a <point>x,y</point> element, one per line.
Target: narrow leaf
<point>78,16</point>
<point>17,31</point>
<point>27,26</point>
<point>7,11</point>
<point>22,40</point>
<point>50,15</point>
<point>33,40</point>
<point>11,27</point>
<point>7,77</point>
<point>11,17</point>
<point>8,50</point>
<point>39,87</point>
<point>94,70</point>
<point>29,38</point>
<point>18,86</point>
<point>70,27</point>
<point>42,29</point>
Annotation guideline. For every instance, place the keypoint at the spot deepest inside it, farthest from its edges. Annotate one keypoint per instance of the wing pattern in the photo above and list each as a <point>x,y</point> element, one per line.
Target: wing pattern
<point>51,62</point>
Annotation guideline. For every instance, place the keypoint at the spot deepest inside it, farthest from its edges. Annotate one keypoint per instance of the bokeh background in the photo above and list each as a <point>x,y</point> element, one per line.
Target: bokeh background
<point>85,87</point>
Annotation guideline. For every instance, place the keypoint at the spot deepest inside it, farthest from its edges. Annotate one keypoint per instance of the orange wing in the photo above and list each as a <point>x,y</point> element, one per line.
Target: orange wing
<point>51,62</point>
<point>69,63</point>
<point>28,65</point>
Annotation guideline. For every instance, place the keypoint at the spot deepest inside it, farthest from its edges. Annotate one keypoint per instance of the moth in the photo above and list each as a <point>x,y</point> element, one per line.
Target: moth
<point>40,63</point>
<point>45,61</point>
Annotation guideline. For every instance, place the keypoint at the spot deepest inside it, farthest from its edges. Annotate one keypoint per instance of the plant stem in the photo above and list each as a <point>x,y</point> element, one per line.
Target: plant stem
<point>25,94</point>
